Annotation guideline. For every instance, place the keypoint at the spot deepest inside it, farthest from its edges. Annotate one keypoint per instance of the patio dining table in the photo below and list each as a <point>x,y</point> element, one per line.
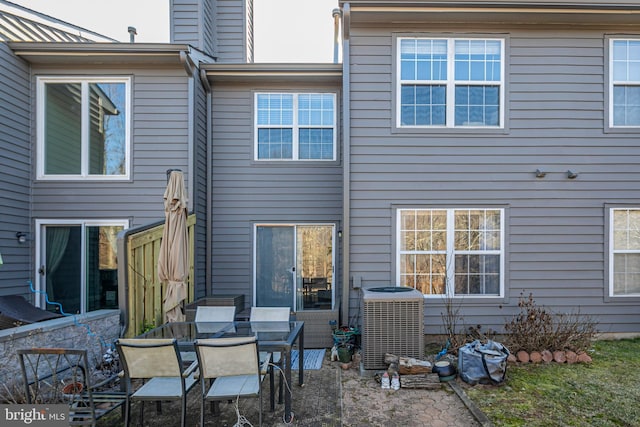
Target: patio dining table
<point>271,336</point>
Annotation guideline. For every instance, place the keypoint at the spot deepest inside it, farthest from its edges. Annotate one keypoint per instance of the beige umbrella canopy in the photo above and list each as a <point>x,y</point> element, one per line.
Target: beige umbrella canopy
<point>173,261</point>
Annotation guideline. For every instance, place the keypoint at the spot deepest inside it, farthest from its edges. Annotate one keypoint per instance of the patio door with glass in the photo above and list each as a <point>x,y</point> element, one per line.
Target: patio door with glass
<point>294,266</point>
<point>78,265</point>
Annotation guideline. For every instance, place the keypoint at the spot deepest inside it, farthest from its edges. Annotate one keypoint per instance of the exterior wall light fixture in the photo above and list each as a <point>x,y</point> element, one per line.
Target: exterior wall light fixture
<point>21,236</point>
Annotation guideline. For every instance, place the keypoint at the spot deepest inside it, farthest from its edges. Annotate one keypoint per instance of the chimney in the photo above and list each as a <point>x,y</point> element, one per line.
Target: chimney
<point>337,14</point>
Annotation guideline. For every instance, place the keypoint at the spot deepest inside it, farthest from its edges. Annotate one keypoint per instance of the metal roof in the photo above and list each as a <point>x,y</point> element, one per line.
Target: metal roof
<point>19,23</point>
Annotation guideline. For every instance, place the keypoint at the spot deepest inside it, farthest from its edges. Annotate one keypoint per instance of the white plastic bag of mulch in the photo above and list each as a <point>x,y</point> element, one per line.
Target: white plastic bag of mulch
<point>483,363</point>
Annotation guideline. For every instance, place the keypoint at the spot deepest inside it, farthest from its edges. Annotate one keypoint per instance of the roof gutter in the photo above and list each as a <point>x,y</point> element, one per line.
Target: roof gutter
<point>498,9</point>
<point>372,5</point>
<point>547,12</point>
<point>105,53</point>
<point>262,69</point>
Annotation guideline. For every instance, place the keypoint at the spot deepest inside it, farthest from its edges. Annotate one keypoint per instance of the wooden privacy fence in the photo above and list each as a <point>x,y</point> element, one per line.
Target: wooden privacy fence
<point>140,291</point>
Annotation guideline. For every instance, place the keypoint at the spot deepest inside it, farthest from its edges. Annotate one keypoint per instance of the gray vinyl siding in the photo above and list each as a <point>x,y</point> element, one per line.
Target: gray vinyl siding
<point>193,22</point>
<point>200,177</point>
<point>246,193</point>
<point>555,229</point>
<point>249,31</point>
<point>208,34</point>
<point>231,31</point>
<point>186,23</point>
<point>14,180</point>
<point>160,141</point>
<point>220,28</point>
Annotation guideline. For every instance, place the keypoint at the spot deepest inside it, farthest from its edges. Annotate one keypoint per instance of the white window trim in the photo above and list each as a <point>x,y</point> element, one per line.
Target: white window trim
<point>40,224</point>
<point>450,268</point>
<point>295,127</point>
<point>612,252</point>
<point>40,125</point>
<point>450,83</point>
<point>613,83</point>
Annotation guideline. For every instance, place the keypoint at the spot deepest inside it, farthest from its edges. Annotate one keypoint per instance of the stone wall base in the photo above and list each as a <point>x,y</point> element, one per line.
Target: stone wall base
<point>95,331</point>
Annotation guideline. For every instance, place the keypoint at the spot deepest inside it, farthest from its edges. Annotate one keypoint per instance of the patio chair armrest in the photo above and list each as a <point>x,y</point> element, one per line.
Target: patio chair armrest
<point>191,369</point>
<point>105,382</point>
<point>265,362</point>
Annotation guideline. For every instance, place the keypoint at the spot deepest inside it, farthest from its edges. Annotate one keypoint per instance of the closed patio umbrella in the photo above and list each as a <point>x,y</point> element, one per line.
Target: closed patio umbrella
<point>173,261</point>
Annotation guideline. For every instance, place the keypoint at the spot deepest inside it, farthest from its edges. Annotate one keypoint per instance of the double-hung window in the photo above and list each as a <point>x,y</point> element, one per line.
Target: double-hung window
<point>83,128</point>
<point>624,83</point>
<point>624,252</point>
<point>450,82</point>
<point>451,252</point>
<point>295,126</point>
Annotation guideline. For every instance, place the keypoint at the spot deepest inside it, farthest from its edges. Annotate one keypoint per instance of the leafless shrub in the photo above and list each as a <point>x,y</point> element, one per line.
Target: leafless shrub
<point>457,333</point>
<point>574,331</point>
<point>451,320</point>
<point>12,393</point>
<point>535,328</point>
<point>476,333</point>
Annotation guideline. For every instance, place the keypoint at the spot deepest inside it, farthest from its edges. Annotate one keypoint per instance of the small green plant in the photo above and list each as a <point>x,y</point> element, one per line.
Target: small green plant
<point>147,326</point>
<point>536,328</point>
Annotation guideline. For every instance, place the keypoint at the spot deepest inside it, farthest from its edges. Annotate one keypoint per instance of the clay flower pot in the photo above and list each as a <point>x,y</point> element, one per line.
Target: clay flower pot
<point>72,388</point>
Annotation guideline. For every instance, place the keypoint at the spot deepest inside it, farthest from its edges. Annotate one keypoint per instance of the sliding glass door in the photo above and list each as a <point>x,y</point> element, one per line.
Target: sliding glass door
<point>275,266</point>
<point>294,266</point>
<point>78,265</point>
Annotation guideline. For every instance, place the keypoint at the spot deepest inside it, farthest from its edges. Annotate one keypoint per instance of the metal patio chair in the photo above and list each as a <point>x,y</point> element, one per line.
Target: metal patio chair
<point>272,318</point>
<point>209,313</point>
<point>210,319</point>
<point>233,365</point>
<point>62,375</point>
<point>158,363</point>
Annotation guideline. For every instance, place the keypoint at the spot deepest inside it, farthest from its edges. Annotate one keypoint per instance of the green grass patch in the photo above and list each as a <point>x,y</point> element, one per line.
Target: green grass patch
<point>604,393</point>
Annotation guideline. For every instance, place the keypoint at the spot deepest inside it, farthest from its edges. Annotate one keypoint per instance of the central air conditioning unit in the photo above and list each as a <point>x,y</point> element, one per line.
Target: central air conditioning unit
<point>392,322</point>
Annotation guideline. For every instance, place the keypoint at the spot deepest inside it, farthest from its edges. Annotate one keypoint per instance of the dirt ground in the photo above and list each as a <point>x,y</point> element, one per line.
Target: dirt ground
<point>364,403</point>
<point>330,396</point>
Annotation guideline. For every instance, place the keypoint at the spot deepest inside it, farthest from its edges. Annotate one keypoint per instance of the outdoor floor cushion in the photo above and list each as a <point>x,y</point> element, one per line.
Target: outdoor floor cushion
<point>16,311</point>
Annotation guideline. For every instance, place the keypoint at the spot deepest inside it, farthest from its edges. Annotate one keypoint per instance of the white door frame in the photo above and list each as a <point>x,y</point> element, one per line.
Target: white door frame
<point>40,257</point>
<point>295,226</point>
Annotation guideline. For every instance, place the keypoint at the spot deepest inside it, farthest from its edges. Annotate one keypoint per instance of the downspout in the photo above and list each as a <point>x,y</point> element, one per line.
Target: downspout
<point>346,192</point>
<point>123,281</point>
<point>209,174</point>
